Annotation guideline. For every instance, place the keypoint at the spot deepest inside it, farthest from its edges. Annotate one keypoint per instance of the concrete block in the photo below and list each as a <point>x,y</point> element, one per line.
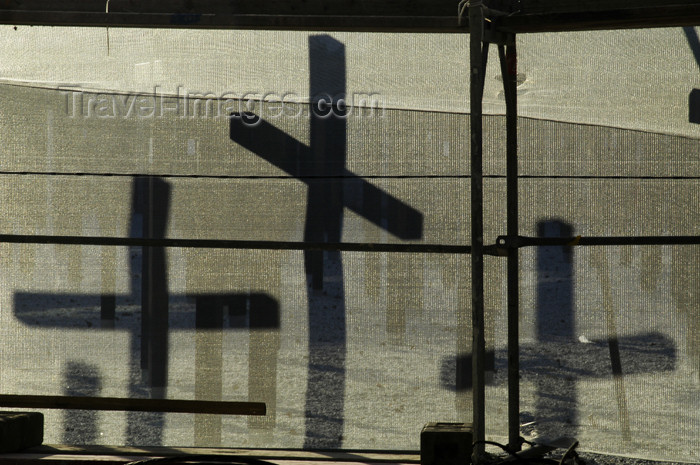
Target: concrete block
<point>20,430</point>
<point>446,444</point>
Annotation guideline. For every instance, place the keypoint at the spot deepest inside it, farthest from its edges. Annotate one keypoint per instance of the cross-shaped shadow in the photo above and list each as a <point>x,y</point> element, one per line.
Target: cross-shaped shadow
<point>558,360</point>
<point>322,167</point>
<point>149,347</point>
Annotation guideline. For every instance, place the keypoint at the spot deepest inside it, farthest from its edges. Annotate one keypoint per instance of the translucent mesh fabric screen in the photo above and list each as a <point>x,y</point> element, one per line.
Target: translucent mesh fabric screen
<point>383,346</point>
<point>635,79</point>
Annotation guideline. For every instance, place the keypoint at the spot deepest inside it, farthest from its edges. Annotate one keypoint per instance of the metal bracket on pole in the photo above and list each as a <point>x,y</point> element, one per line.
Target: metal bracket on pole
<point>489,33</point>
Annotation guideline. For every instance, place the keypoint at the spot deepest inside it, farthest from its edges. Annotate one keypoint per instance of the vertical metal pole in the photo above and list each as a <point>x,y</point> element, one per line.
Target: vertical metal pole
<point>508,58</point>
<point>477,61</point>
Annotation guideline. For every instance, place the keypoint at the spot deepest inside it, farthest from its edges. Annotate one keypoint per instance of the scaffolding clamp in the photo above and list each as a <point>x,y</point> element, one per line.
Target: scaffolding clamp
<point>490,31</point>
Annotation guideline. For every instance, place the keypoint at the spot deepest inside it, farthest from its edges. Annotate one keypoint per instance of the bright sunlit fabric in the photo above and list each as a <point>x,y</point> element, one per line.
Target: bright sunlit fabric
<point>142,133</point>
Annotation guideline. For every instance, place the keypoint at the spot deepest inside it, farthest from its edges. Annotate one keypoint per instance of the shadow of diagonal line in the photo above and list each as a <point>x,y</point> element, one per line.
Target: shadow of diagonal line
<point>693,41</point>
<point>274,146</point>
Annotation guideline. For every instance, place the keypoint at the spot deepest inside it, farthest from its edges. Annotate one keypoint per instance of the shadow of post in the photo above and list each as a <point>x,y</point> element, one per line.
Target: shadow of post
<point>325,394</point>
<point>150,210</point>
<point>152,201</point>
<point>80,426</point>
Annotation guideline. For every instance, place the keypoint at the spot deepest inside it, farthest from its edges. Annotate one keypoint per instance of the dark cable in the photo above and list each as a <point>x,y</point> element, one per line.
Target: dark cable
<point>570,453</point>
<point>501,446</point>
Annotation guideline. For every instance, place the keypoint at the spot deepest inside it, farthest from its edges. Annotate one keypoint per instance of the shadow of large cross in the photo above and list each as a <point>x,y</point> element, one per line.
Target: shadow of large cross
<point>322,167</point>
<point>559,359</point>
<point>149,337</point>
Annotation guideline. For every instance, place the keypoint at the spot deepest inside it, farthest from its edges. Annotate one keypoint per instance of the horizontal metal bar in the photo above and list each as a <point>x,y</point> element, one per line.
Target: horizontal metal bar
<point>499,249</point>
<point>234,244</point>
<point>503,243</point>
<point>397,24</point>
<point>439,16</point>
<point>260,7</point>
<point>589,20</point>
<point>561,6</point>
<point>336,7</point>
<point>132,405</point>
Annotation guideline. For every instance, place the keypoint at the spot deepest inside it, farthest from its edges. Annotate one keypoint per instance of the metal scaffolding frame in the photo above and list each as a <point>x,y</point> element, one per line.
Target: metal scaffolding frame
<point>490,26</point>
<point>489,22</point>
